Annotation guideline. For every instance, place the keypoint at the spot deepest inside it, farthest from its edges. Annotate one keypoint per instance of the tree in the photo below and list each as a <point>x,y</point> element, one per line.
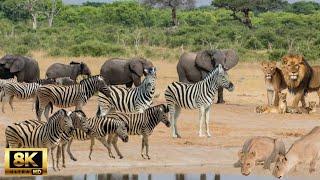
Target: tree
<point>50,9</point>
<point>14,9</point>
<point>304,7</point>
<point>246,6</point>
<point>173,5</point>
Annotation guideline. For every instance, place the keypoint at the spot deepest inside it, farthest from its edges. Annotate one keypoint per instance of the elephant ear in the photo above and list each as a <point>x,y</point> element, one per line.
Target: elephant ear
<point>17,65</point>
<point>135,66</point>
<point>204,60</point>
<point>231,58</point>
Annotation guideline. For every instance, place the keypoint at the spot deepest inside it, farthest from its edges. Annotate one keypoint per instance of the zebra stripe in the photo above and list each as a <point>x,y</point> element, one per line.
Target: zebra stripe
<point>196,96</point>
<point>100,127</point>
<point>128,100</point>
<point>34,134</point>
<point>67,96</point>
<point>141,124</point>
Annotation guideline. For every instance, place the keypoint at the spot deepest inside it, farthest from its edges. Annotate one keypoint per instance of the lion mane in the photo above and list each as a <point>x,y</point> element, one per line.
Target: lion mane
<point>297,73</point>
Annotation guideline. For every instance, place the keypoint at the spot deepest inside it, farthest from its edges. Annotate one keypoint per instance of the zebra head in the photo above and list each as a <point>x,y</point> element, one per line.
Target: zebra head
<point>223,78</point>
<point>65,121</point>
<point>163,115</point>
<point>79,121</point>
<point>102,86</point>
<point>149,83</point>
<point>122,131</point>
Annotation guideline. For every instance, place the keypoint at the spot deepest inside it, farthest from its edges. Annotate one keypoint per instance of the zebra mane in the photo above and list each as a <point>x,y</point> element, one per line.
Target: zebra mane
<point>57,114</point>
<point>212,73</point>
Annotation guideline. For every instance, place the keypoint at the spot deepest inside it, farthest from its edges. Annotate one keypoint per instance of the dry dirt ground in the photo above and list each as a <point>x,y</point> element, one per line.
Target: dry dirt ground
<point>230,125</point>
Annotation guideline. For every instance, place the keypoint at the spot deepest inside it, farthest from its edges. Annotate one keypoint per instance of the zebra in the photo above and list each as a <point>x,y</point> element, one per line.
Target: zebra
<point>141,124</point>
<point>66,96</point>
<point>128,100</point>
<point>100,127</point>
<point>46,135</point>
<point>20,90</point>
<point>196,96</point>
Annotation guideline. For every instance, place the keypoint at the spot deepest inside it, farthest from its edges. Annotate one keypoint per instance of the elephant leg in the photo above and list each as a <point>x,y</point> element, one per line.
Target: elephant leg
<point>220,96</point>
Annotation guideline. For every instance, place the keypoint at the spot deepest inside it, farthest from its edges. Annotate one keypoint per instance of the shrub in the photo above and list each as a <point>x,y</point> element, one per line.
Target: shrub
<point>96,48</point>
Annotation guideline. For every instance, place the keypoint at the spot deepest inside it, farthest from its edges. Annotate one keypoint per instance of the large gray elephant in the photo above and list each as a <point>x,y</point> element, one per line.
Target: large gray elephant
<point>73,70</point>
<point>118,71</point>
<point>193,67</point>
<point>24,68</point>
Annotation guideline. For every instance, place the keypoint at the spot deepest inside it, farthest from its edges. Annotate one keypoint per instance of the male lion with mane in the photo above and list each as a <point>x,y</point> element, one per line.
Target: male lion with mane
<point>300,77</point>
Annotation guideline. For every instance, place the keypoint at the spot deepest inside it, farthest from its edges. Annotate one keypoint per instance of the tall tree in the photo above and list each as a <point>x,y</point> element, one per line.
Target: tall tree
<point>173,5</point>
<point>50,9</point>
<point>34,8</point>
<point>246,6</point>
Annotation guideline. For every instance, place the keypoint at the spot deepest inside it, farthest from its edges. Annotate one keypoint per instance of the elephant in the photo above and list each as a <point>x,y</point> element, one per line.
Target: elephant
<point>24,68</point>
<point>73,70</point>
<point>118,71</point>
<point>193,67</point>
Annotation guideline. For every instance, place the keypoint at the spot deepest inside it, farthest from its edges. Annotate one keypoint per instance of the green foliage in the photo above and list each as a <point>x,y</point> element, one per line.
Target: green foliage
<point>96,48</point>
<point>129,28</point>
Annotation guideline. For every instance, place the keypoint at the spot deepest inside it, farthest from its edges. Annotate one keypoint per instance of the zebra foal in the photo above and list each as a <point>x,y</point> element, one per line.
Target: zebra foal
<point>67,96</point>
<point>128,100</point>
<point>99,128</point>
<point>141,124</point>
<point>46,135</point>
<point>196,96</point>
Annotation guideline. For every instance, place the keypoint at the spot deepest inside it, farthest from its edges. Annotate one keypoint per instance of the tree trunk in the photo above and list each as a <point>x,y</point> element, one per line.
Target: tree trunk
<point>174,16</point>
<point>247,20</point>
<point>50,20</point>
<point>34,20</point>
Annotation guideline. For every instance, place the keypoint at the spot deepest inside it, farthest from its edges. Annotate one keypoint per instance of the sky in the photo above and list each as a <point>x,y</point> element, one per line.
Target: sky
<point>199,2</point>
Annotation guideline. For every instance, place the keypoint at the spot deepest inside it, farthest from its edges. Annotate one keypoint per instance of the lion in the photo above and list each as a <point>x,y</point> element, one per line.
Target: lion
<point>281,108</point>
<point>259,151</point>
<point>304,110</point>
<point>274,81</point>
<point>300,77</point>
<point>305,149</point>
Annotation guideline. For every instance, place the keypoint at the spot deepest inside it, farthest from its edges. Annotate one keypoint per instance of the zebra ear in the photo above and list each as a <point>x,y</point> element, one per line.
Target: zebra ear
<point>69,113</point>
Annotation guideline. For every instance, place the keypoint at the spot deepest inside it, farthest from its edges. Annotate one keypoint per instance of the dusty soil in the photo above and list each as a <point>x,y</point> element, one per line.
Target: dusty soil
<point>230,125</point>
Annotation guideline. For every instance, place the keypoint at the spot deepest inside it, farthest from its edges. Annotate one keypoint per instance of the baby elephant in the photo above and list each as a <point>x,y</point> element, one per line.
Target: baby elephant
<point>258,151</point>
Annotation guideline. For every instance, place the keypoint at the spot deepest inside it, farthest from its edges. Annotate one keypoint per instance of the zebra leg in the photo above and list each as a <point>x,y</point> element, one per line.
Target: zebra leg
<point>174,114</point>
<point>52,157</point>
<point>10,102</point>
<point>91,147</point>
<point>69,151</point>
<point>201,120</point>
<point>207,113</point>
<point>104,142</point>
<point>146,141</point>
<point>142,147</point>
<point>114,143</point>
<point>47,111</point>
<point>39,112</point>
<point>58,155</point>
<point>4,101</point>
<point>63,149</point>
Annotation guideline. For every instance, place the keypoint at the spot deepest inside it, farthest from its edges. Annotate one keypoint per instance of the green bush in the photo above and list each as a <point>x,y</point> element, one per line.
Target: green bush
<point>277,54</point>
<point>96,48</point>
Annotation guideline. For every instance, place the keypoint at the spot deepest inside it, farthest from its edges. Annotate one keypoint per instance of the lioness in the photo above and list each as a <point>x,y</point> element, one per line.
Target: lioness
<point>281,109</point>
<point>274,81</point>
<point>305,149</point>
<point>259,150</point>
<point>300,77</point>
